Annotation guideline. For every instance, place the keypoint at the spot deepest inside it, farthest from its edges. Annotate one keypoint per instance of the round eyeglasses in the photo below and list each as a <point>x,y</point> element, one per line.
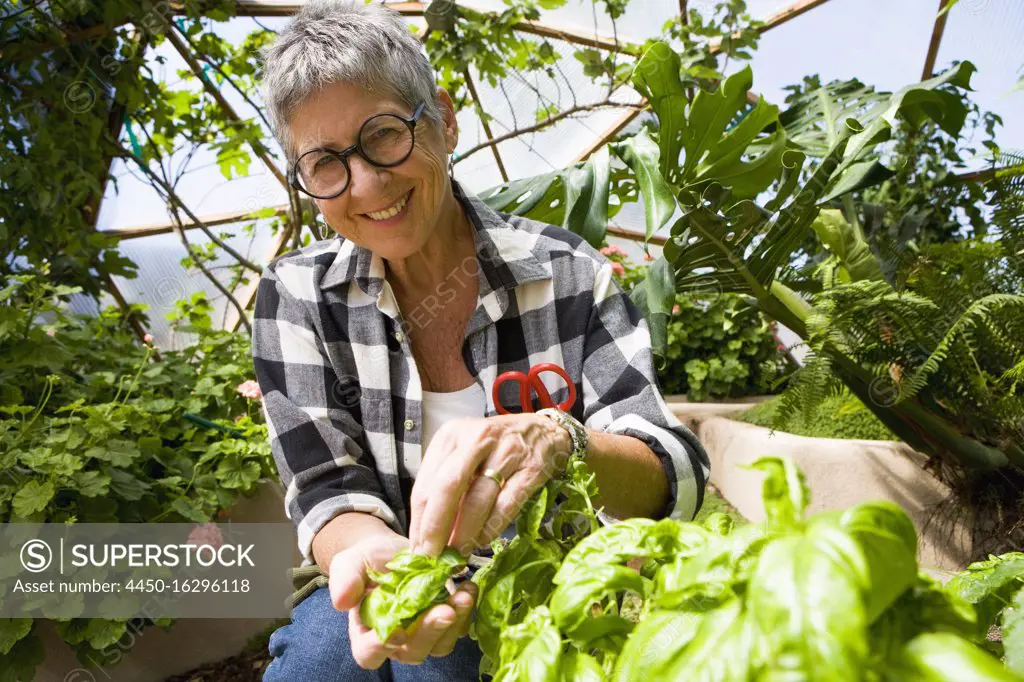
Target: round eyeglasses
<point>385,140</point>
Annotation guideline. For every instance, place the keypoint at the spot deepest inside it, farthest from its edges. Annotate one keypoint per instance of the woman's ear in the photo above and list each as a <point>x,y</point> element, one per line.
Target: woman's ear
<point>449,123</point>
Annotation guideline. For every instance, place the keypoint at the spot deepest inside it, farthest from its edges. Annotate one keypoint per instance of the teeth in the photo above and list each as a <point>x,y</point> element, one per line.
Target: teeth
<point>389,212</point>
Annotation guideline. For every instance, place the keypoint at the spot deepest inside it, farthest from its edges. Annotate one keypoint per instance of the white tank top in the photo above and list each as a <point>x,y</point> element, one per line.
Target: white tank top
<point>438,408</point>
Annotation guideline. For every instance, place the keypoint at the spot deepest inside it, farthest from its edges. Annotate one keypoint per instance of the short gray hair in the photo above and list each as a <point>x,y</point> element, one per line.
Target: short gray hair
<point>344,41</point>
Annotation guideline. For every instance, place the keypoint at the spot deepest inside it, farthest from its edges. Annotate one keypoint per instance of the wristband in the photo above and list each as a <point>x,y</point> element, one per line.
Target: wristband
<point>577,432</point>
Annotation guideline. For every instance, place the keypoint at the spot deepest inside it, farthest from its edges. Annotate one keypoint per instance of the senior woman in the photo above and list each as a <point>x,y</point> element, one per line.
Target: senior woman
<point>377,351</point>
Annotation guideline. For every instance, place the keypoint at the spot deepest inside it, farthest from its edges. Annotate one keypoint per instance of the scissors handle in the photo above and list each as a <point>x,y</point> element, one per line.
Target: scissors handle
<point>533,381</point>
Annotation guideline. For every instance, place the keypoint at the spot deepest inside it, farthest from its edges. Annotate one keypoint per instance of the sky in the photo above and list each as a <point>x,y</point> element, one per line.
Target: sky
<point>881,42</point>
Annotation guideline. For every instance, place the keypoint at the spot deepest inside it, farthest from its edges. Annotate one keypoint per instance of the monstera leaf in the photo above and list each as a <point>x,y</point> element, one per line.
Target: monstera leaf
<point>642,155</point>
<point>712,150</point>
<point>815,119</point>
<point>814,112</point>
<point>575,198</point>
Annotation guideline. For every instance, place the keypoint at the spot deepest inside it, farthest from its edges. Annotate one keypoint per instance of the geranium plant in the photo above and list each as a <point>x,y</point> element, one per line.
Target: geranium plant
<point>95,429</point>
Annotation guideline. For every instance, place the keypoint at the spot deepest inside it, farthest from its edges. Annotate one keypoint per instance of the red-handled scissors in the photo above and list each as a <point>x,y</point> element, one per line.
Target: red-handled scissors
<point>532,380</point>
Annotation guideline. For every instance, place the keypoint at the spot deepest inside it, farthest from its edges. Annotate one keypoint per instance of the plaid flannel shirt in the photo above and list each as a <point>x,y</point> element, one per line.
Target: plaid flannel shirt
<point>341,392</point>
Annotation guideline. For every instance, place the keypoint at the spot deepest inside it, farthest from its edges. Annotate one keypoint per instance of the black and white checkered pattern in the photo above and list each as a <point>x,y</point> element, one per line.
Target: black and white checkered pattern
<point>341,391</point>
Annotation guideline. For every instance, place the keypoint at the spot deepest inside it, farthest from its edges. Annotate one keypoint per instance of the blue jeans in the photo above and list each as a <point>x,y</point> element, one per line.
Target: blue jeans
<point>314,647</point>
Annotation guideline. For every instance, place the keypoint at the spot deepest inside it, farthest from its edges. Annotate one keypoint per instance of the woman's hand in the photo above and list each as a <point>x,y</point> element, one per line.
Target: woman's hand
<point>433,634</point>
<point>452,505</point>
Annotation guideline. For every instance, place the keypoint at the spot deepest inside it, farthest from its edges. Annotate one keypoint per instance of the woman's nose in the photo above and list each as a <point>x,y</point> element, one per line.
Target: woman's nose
<point>367,179</point>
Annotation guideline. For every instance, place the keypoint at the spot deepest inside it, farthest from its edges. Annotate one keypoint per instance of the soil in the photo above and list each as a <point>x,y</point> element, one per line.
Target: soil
<point>246,667</point>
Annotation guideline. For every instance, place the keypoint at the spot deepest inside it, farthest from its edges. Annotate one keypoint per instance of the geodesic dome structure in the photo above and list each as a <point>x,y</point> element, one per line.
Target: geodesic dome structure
<point>884,44</point>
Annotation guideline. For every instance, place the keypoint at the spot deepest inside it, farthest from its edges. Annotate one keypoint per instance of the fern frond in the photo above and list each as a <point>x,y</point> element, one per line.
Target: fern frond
<point>978,312</point>
<point>808,388</point>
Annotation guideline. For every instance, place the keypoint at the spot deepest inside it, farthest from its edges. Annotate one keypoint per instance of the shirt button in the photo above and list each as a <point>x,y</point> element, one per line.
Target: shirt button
<point>409,425</point>
<point>399,337</point>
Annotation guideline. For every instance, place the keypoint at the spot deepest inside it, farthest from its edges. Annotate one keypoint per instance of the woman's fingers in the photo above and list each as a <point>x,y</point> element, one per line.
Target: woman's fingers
<point>510,500</point>
<point>435,631</point>
<point>367,649</point>
<point>347,579</point>
<point>424,634</point>
<point>473,512</point>
<point>462,601</point>
<point>437,494</point>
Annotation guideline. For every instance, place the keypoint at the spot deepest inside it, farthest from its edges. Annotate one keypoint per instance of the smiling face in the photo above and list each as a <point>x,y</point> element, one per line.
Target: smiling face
<point>419,186</point>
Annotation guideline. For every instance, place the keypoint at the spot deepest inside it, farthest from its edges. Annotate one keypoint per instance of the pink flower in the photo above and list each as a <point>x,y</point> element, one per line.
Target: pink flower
<point>612,250</point>
<point>675,309</point>
<point>618,270</point>
<point>249,389</point>
<point>648,258</point>
<point>206,534</point>
<point>147,339</point>
<point>50,332</point>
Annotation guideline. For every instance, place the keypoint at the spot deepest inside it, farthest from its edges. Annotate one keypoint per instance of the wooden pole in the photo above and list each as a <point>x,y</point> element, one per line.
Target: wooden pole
<point>938,28</point>
<point>486,125</point>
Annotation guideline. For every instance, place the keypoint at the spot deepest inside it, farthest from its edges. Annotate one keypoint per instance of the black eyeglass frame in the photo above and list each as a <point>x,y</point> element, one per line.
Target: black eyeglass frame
<point>357,148</point>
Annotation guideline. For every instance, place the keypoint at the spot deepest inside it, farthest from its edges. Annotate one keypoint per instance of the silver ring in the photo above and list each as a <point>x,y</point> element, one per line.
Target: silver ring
<point>495,476</point>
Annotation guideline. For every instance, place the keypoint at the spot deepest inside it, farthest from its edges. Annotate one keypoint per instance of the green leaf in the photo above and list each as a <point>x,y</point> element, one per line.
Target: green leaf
<point>234,472</point>
<point>117,451</point>
<point>190,509</point>
<point>924,607</point>
<point>33,497</point>
<point>713,645</point>
<point>532,650</point>
<point>654,643</point>
<point>942,657</point>
<point>12,630</point>
<point>532,514</point>
<point>411,584</point>
<point>100,633</point>
<point>847,244</point>
<point>656,77</point>
<point>655,298</point>
<point>888,540</point>
<point>127,486</point>
<point>784,491</point>
<point>571,600</point>
<point>917,103</point>
<point>91,483</point>
<point>580,667</point>
<point>989,586</point>
<point>586,198</point>
<point>640,153</point>
<point>806,597</point>
<point>20,663</point>
<point>1013,634</point>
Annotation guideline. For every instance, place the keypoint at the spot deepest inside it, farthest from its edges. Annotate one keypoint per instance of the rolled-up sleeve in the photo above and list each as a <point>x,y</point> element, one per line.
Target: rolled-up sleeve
<point>621,394</point>
<point>314,425</point>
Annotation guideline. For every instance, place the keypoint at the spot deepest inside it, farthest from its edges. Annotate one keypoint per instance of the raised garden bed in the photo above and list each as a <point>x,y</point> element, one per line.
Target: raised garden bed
<point>190,646</point>
<point>840,473</point>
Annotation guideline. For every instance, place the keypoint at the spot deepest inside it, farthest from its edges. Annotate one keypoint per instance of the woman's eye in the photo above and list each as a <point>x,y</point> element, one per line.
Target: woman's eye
<point>322,161</point>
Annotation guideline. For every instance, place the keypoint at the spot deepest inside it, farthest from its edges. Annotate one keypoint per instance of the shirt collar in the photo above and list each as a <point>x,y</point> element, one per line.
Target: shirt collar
<point>504,253</point>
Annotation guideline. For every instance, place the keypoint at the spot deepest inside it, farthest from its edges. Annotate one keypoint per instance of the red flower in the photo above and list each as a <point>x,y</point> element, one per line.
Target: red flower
<point>249,389</point>
<point>206,534</point>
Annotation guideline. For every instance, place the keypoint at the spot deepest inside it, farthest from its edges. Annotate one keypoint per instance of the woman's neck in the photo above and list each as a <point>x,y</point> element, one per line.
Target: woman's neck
<point>446,251</point>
